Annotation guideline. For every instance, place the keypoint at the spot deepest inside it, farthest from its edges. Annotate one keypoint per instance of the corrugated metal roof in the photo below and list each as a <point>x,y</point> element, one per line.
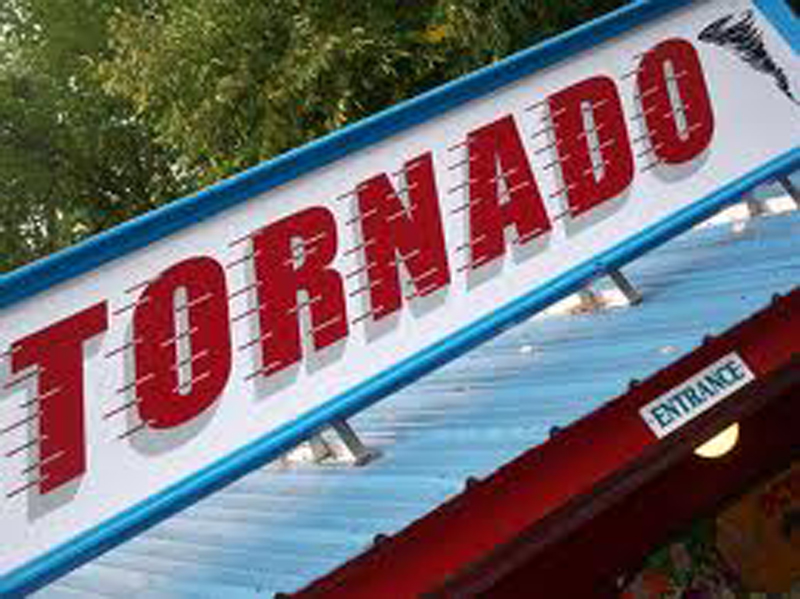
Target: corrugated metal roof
<point>278,529</point>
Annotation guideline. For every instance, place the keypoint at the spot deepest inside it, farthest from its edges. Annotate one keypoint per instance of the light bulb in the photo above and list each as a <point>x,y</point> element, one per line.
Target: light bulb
<point>719,444</point>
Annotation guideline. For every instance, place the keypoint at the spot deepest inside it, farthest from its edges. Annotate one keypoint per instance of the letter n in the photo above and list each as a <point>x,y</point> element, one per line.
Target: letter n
<point>411,233</point>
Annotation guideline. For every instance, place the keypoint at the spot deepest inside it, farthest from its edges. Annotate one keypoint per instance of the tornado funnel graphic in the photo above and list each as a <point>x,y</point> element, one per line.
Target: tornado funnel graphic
<point>740,35</point>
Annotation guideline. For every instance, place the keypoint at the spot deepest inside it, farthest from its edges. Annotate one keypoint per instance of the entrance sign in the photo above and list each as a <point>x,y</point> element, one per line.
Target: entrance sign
<point>155,364</point>
<point>703,391</point>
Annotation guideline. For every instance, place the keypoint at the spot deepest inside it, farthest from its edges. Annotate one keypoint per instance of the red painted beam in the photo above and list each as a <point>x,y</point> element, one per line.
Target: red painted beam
<point>545,479</point>
<point>613,544</point>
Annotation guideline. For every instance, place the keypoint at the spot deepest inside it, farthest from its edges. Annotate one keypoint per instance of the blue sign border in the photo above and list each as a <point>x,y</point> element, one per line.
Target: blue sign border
<point>37,277</point>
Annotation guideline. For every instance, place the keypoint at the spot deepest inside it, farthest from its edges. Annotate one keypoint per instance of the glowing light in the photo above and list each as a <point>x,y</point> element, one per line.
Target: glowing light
<point>720,444</point>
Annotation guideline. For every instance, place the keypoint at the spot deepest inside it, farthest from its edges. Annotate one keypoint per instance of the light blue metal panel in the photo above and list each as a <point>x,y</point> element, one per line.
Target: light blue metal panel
<point>279,528</point>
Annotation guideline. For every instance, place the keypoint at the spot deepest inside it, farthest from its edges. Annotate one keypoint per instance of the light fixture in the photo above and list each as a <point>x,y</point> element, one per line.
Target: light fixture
<point>719,444</point>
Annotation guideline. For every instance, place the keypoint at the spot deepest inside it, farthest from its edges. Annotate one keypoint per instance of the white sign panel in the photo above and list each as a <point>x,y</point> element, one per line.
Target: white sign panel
<point>125,380</point>
<point>703,391</point>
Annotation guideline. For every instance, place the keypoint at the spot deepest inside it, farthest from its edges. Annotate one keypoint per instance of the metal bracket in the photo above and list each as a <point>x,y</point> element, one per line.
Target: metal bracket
<point>790,188</point>
<point>755,208</point>
<point>625,286</point>
<point>320,449</point>
<point>346,447</point>
<point>588,300</point>
<point>357,452</point>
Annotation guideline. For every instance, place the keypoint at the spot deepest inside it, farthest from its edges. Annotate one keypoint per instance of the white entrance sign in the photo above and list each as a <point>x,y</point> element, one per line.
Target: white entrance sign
<point>141,381</point>
<point>703,391</point>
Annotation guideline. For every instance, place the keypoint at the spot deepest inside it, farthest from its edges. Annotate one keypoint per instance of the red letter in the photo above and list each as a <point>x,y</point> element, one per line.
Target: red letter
<point>313,232</point>
<point>675,104</point>
<point>163,400</point>
<point>414,233</point>
<point>595,157</point>
<point>497,146</point>
<point>58,353</point>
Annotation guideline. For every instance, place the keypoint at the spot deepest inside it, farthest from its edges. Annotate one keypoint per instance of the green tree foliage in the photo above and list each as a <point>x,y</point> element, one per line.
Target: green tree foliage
<point>74,159</point>
<point>111,107</point>
<point>233,82</point>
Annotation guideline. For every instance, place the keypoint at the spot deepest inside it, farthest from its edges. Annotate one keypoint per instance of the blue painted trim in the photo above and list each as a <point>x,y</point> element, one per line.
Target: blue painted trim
<point>783,19</point>
<point>122,240</point>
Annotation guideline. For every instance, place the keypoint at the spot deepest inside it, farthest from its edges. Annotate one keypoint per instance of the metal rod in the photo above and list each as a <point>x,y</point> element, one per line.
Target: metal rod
<point>326,324</point>
<point>541,132</point>
<point>195,302</point>
<point>518,186</point>
<point>258,339</point>
<point>471,243</point>
<point>130,432</point>
<point>191,359</point>
<point>27,445</point>
<point>646,151</point>
<point>423,292</point>
<point>42,397</point>
<point>651,166</point>
<point>643,94</point>
<point>344,196</point>
<point>630,74</point>
<point>245,314</point>
<point>526,238</point>
<point>364,288</point>
<point>179,337</point>
<point>122,348</point>
<point>363,216</point>
<point>355,447</point>
<point>49,459</point>
<point>267,370</point>
<point>241,260</point>
<point>190,383</point>
<point>364,316</point>
<point>460,186</point>
<point>319,448</point>
<point>141,380</point>
<point>131,306</point>
<point>358,271</point>
<point>431,271</point>
<point>625,286</point>
<point>120,409</point>
<point>642,113</point>
<point>10,352</point>
<point>401,212</point>
<point>474,265</point>
<point>553,115</point>
<point>755,208</point>
<point>460,163</point>
<point>243,238</point>
<point>310,302</point>
<point>549,146</point>
<point>791,189</point>
<point>30,418</point>
<point>466,205</point>
<point>138,286</point>
<point>19,490</point>
<point>244,290</point>
<point>25,377</point>
<point>562,191</point>
<point>535,105</point>
<point>359,247</point>
<point>556,162</point>
<point>409,187</point>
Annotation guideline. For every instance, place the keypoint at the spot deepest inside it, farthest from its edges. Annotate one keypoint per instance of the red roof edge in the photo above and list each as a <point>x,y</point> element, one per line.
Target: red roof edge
<point>465,530</point>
